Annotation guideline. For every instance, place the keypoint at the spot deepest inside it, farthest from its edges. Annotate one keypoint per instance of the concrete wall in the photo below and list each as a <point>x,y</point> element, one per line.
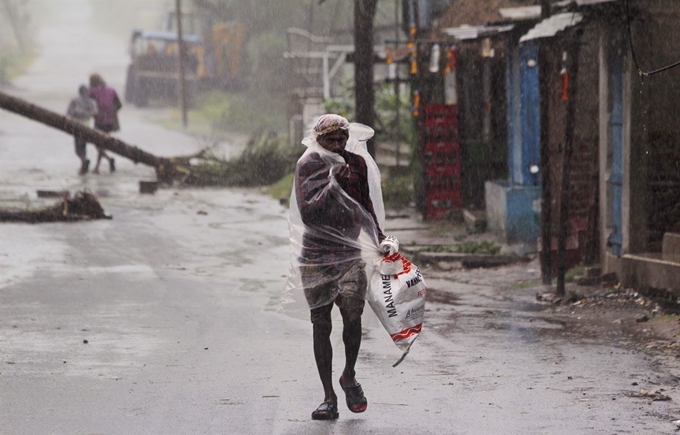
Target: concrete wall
<point>650,271</point>
<point>513,212</point>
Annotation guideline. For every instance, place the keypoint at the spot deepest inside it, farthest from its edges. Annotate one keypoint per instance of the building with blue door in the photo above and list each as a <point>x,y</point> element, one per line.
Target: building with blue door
<point>513,204</point>
<point>511,201</point>
<point>639,146</point>
<point>623,191</point>
<point>532,48</point>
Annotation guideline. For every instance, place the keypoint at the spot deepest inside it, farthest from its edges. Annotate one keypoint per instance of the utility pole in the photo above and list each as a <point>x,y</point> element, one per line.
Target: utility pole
<point>546,195</point>
<point>182,78</point>
<point>545,9</point>
<point>364,15</point>
<point>397,83</point>
<point>566,168</point>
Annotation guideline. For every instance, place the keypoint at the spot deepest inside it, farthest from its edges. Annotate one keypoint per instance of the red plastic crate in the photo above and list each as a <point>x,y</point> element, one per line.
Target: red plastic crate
<point>441,160</point>
<point>438,114</point>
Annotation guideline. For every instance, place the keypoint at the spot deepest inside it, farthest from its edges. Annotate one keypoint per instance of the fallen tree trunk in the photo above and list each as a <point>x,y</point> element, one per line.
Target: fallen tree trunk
<point>166,169</point>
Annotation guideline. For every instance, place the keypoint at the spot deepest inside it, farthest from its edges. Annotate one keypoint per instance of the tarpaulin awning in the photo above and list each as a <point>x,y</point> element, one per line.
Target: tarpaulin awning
<point>522,13</point>
<point>474,32</point>
<point>552,26</point>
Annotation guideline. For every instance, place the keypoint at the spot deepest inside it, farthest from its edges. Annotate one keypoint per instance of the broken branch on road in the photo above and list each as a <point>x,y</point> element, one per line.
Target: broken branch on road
<point>83,206</point>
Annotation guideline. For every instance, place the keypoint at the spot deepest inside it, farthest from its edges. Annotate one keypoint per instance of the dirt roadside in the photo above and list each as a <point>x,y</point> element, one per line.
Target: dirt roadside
<point>623,317</point>
<point>647,324</point>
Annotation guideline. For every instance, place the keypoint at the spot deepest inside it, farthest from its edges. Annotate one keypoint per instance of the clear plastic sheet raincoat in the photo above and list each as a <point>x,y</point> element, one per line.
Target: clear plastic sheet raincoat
<point>329,230</point>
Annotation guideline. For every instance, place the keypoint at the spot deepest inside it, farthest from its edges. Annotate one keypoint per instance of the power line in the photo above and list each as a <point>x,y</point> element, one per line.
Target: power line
<point>632,49</point>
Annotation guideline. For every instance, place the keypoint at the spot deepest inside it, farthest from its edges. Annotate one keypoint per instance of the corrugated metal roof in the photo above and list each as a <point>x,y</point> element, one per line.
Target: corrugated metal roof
<point>552,26</point>
<point>593,2</point>
<point>469,32</point>
<point>565,3</point>
<point>476,12</point>
<point>521,13</point>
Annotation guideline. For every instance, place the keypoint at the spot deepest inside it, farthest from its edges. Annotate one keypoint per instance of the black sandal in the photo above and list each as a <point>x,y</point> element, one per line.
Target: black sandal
<point>354,396</point>
<point>326,411</point>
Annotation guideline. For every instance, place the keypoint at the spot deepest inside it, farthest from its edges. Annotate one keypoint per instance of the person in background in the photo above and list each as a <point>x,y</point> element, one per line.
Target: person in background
<point>82,109</point>
<point>106,120</point>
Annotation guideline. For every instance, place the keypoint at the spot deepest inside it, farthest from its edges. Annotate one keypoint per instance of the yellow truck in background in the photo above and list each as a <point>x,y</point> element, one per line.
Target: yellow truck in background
<point>214,60</point>
<point>154,70</point>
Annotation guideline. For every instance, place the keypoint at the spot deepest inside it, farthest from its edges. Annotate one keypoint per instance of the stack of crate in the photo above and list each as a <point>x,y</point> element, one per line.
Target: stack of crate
<point>441,161</point>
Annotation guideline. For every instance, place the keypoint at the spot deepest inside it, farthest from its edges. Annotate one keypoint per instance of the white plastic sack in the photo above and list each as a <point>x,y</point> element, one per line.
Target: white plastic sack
<point>398,300</point>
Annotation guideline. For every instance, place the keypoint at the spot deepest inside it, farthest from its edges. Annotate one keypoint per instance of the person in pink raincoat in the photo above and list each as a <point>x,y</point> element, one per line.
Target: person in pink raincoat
<point>106,119</point>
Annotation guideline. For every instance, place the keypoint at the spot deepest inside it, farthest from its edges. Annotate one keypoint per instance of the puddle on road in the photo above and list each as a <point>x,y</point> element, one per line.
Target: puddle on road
<point>530,307</point>
<point>34,171</point>
<point>525,324</point>
<point>442,297</point>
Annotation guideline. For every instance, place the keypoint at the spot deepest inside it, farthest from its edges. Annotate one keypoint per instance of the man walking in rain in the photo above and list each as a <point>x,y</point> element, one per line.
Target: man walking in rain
<point>82,109</point>
<point>332,220</point>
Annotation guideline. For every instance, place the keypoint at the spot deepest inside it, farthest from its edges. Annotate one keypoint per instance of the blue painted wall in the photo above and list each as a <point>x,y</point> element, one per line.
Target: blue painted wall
<point>530,112</point>
<point>511,205</point>
<point>512,213</point>
<point>512,88</point>
<point>523,217</point>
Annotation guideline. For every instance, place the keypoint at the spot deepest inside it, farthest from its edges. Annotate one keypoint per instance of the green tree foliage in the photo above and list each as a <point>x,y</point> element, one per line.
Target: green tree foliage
<point>266,22</point>
<point>390,125</point>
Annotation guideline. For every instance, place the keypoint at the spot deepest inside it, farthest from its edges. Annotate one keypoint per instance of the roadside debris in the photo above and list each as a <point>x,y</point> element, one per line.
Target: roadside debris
<point>592,275</point>
<point>83,206</point>
<point>603,297</point>
<point>654,396</point>
<point>551,297</point>
<point>52,193</point>
<point>470,254</point>
<point>148,187</point>
<point>642,319</point>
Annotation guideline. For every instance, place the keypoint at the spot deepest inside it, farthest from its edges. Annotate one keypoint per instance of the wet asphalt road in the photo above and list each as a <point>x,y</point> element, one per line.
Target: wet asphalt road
<point>164,320</point>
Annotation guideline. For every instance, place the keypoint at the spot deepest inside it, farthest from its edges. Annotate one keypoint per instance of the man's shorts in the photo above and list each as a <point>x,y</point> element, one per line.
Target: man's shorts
<point>343,285</point>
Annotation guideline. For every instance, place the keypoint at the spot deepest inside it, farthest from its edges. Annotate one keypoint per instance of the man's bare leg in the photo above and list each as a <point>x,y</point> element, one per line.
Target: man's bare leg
<point>96,166</point>
<point>323,354</point>
<point>351,336</point>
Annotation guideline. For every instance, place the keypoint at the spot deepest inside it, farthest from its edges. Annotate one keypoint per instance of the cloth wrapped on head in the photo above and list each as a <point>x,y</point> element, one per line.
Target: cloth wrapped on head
<point>329,123</point>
